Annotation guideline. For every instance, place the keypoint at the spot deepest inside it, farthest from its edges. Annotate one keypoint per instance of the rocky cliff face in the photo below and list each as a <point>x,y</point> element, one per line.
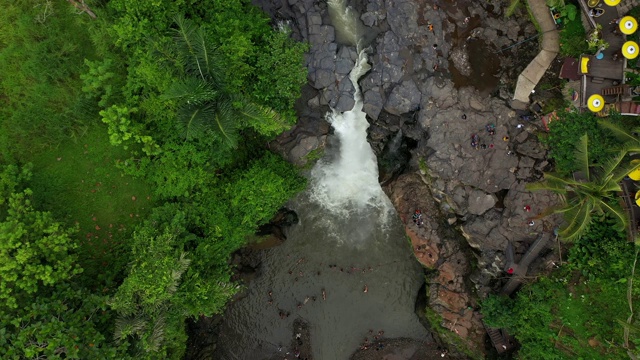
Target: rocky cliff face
<point>439,77</point>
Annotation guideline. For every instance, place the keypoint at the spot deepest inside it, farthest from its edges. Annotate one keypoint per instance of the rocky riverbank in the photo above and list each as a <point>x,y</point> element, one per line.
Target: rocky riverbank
<point>437,77</point>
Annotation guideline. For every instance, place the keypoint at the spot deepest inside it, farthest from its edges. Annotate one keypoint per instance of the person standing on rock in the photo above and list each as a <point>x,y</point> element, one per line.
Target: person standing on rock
<point>474,141</point>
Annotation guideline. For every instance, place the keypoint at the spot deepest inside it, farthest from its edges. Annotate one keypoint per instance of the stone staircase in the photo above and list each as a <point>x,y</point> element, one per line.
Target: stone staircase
<point>616,90</point>
<point>626,5</point>
<point>497,339</point>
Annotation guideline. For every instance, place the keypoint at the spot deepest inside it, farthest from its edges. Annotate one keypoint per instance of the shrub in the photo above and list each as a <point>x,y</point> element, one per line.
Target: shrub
<point>573,38</point>
<point>567,130</point>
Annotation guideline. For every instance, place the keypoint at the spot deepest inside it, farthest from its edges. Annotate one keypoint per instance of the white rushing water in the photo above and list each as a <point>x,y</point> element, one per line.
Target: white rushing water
<point>348,178</point>
<point>346,181</point>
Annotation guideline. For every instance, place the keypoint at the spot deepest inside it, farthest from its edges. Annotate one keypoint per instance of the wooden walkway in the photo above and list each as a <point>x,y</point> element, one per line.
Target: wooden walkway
<point>550,45</point>
<point>501,341</point>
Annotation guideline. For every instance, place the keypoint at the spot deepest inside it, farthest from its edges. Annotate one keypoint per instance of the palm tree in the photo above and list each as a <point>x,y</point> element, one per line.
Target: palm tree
<point>206,106</point>
<point>595,194</point>
<point>630,140</point>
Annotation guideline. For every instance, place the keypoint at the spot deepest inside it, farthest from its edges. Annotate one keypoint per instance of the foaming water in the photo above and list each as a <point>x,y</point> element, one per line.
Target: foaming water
<point>346,22</point>
<point>346,182</point>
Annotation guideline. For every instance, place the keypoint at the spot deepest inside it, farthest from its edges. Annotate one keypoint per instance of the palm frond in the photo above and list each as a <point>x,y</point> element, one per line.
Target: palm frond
<point>578,221</point>
<point>619,133</point>
<point>581,154</point>
<point>558,209</point>
<point>224,123</point>
<point>617,213</point>
<point>611,169</point>
<point>195,52</point>
<point>546,185</point>
<point>624,170</point>
<point>207,59</point>
<point>631,327</point>
<point>191,90</point>
<point>558,179</point>
<point>129,326</point>
<point>610,186</point>
<point>155,339</point>
<point>194,120</point>
<point>176,274</point>
<point>263,119</point>
<point>556,183</point>
<point>183,38</point>
<point>567,208</point>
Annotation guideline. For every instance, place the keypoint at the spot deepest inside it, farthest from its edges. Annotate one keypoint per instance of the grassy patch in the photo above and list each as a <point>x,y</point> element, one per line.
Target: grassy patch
<point>448,336</point>
<point>79,182</point>
<point>513,5</point>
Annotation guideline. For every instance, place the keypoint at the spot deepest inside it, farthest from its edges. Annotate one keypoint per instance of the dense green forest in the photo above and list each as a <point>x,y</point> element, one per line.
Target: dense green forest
<point>133,162</point>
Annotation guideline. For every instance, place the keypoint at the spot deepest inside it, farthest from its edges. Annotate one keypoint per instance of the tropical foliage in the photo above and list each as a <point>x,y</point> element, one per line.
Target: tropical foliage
<point>573,37</point>
<point>566,132</point>
<point>591,191</point>
<point>133,164</point>
<point>577,311</point>
<point>206,105</point>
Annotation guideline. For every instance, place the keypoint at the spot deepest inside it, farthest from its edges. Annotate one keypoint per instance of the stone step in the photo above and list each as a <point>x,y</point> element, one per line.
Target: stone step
<point>615,90</point>
<point>496,339</point>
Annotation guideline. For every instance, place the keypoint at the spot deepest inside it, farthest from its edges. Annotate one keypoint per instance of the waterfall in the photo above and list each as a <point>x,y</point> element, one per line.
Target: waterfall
<point>346,181</point>
<point>344,205</point>
<point>345,20</point>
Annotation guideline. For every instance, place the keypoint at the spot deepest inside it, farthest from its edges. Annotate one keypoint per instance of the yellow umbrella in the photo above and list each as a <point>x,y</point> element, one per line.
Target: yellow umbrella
<point>635,174</point>
<point>612,2</point>
<point>628,25</point>
<point>638,198</point>
<point>595,103</point>
<point>630,49</point>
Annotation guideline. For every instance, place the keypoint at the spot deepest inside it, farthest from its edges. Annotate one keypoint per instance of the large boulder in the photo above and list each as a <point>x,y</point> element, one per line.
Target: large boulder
<point>404,98</point>
<point>480,202</point>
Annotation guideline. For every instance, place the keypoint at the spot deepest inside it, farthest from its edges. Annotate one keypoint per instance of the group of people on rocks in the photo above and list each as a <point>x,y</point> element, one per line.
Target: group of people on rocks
<point>475,138</point>
<point>491,131</point>
<point>366,345</point>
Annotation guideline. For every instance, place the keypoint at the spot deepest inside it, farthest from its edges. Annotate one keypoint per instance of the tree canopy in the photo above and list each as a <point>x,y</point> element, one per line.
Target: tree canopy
<point>145,130</point>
